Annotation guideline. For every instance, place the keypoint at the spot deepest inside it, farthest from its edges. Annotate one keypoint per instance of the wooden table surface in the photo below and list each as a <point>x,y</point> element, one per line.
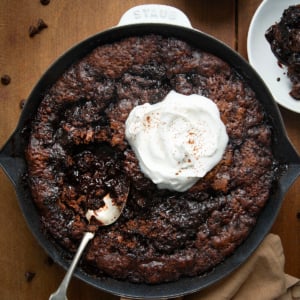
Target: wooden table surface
<point>25,59</point>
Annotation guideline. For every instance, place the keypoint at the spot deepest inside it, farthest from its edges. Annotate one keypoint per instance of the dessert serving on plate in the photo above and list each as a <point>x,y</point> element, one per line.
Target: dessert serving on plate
<point>284,39</point>
<point>181,128</point>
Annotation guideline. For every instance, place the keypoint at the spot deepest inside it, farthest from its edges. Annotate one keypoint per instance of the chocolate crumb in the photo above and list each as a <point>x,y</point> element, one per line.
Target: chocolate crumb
<point>22,103</point>
<point>33,30</point>
<point>298,215</point>
<point>29,276</point>
<point>5,79</point>
<point>278,79</point>
<point>49,261</point>
<point>41,24</point>
<point>45,2</point>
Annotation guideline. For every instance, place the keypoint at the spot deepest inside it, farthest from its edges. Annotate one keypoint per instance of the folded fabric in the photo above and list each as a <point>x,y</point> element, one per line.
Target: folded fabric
<point>261,277</point>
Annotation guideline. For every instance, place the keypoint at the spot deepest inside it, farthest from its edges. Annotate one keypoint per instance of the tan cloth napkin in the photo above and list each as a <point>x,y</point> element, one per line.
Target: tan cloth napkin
<point>261,277</point>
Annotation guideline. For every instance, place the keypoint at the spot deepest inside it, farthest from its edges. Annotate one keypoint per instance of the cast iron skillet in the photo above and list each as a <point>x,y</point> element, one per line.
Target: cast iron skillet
<point>13,162</point>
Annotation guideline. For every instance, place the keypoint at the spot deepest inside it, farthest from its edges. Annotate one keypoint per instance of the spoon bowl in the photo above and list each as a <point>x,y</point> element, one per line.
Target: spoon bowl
<point>105,215</point>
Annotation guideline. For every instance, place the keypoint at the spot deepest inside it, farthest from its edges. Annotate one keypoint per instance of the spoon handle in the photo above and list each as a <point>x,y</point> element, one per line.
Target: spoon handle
<point>61,292</point>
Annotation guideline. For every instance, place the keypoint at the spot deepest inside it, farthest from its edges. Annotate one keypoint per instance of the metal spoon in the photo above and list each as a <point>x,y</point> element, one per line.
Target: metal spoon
<point>61,292</point>
<point>105,215</point>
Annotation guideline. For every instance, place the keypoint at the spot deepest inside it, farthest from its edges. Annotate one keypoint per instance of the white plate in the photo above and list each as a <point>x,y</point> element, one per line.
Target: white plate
<point>262,58</point>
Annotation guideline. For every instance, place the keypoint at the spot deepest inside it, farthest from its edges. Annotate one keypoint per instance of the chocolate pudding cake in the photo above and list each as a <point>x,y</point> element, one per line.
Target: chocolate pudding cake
<point>78,153</point>
<point>284,40</point>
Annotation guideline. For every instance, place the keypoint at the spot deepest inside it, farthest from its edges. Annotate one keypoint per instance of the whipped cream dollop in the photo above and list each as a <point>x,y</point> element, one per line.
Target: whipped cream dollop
<point>178,140</point>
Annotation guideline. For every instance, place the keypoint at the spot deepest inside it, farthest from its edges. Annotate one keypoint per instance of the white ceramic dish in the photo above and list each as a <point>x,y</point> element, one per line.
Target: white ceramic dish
<point>261,57</point>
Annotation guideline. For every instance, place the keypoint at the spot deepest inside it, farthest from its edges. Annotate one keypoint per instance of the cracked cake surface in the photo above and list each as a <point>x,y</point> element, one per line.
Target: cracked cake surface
<point>284,40</point>
<point>77,153</point>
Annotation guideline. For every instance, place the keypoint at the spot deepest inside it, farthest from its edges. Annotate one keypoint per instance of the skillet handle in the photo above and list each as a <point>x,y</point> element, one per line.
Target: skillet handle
<point>155,13</point>
<point>13,167</point>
